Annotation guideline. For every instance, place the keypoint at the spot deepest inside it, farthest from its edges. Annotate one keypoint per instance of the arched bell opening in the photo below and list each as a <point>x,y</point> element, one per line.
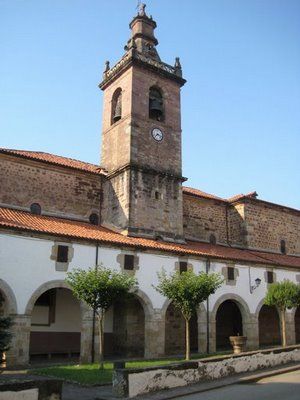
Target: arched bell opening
<point>116,106</point>
<point>229,322</point>
<point>175,332</point>
<point>269,327</point>
<point>156,104</point>
<point>55,325</point>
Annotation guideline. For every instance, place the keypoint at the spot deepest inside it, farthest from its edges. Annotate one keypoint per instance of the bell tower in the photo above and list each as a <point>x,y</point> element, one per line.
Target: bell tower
<point>141,139</point>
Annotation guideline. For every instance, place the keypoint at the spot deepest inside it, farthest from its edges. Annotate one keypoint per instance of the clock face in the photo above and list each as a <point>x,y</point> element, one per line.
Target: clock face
<point>157,134</point>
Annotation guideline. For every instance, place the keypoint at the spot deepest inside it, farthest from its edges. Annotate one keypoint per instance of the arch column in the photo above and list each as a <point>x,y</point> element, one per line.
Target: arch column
<point>18,355</point>
<point>154,334</point>
<point>86,336</point>
<point>290,327</point>
<point>202,329</point>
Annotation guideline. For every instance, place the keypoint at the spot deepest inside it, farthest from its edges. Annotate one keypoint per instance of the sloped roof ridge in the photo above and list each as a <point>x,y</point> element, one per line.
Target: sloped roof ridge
<point>55,159</point>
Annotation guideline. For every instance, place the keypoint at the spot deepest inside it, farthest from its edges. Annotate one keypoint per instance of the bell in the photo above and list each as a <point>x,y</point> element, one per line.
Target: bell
<point>118,111</point>
<point>155,109</point>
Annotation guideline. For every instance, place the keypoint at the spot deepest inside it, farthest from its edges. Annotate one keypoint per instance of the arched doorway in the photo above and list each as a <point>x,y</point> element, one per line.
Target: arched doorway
<point>127,338</point>
<point>175,332</point>
<point>297,325</point>
<point>229,322</point>
<point>55,324</point>
<point>269,326</point>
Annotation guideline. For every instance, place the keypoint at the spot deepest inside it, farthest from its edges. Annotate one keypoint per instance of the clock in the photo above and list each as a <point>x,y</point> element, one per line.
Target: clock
<point>157,134</point>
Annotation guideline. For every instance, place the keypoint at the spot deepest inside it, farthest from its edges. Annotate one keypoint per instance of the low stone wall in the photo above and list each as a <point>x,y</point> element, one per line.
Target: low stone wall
<point>20,388</point>
<point>134,382</point>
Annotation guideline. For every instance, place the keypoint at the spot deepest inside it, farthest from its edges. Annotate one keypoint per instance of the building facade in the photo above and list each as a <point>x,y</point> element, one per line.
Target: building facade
<point>133,214</point>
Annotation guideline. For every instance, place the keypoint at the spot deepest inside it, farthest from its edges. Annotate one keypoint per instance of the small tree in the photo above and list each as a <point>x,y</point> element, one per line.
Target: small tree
<point>5,335</point>
<point>187,291</point>
<point>283,295</point>
<point>99,288</point>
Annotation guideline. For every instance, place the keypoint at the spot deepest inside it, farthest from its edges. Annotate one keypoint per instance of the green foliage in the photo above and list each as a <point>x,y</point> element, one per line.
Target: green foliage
<point>5,335</point>
<point>283,295</point>
<point>188,290</point>
<point>100,288</point>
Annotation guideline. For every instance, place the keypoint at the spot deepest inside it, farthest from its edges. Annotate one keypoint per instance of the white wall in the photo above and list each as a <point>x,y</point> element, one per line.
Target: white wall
<point>25,264</point>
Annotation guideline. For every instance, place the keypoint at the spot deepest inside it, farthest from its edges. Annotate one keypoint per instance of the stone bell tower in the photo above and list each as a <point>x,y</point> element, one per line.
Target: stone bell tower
<point>141,139</point>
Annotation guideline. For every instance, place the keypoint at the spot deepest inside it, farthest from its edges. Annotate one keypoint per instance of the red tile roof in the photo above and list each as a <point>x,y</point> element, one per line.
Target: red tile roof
<point>56,160</point>
<point>199,193</point>
<point>25,221</point>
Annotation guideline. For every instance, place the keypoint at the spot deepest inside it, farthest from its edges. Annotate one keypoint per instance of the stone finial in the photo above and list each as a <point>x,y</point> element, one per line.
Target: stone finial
<point>177,67</point>
<point>107,67</point>
<point>141,10</point>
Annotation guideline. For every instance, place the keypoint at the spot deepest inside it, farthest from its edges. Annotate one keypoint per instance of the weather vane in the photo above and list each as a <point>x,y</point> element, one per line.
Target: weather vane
<point>141,7</point>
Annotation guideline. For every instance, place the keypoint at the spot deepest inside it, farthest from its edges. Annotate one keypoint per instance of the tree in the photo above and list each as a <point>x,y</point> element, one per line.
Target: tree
<point>187,291</point>
<point>99,288</point>
<point>5,335</point>
<point>283,295</point>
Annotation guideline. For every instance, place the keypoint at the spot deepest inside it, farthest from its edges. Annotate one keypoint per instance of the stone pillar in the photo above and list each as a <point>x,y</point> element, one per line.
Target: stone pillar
<point>18,355</point>
<point>290,328</point>
<point>154,335</point>
<point>251,330</point>
<point>212,334</point>
<point>202,331</point>
<point>86,335</point>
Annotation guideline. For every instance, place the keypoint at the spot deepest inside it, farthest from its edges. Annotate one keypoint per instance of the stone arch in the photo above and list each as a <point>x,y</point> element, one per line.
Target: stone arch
<point>145,302</point>
<point>56,320</point>
<point>268,325</point>
<point>41,289</point>
<point>243,311</point>
<point>9,297</point>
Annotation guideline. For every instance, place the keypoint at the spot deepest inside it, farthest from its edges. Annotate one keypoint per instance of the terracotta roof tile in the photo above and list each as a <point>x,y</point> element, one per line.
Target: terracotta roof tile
<point>56,160</point>
<point>200,193</point>
<point>24,221</point>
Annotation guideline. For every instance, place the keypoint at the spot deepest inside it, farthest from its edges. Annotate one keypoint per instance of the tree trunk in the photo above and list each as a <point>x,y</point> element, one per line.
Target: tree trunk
<point>187,339</point>
<point>101,338</point>
<point>283,327</point>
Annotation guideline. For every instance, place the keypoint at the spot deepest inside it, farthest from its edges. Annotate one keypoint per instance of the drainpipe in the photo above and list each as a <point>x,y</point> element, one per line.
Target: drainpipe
<point>94,311</point>
<point>207,311</point>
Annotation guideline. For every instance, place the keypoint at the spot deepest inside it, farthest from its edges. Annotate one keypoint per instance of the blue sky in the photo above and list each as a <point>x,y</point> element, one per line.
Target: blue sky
<point>240,106</point>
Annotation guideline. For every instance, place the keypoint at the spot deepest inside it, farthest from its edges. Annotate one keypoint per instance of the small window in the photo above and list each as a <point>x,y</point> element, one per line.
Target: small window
<point>212,239</point>
<point>94,219</point>
<point>182,266</point>
<point>270,277</point>
<point>129,262</point>
<point>116,106</point>
<point>230,273</point>
<point>35,208</point>
<point>62,253</point>
<point>156,108</point>
<point>282,247</point>
<point>157,195</point>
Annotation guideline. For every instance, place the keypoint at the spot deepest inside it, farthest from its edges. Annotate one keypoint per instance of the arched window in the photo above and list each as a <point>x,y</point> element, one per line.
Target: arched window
<point>116,106</point>
<point>282,247</point>
<point>156,104</point>
<point>94,219</point>
<point>212,239</point>
<point>35,208</point>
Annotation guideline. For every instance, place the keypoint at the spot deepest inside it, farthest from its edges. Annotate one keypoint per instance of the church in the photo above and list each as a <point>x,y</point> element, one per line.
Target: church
<point>133,213</point>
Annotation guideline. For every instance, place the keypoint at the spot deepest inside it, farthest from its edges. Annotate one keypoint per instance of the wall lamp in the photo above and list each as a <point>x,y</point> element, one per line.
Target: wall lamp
<point>257,283</point>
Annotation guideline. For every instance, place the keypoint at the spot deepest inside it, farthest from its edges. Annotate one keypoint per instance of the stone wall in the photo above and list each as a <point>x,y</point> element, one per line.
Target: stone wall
<point>59,191</point>
<point>268,224</point>
<point>132,383</point>
<point>18,387</point>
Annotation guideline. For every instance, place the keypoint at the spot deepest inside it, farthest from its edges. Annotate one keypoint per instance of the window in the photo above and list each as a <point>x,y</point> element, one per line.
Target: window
<point>35,208</point>
<point>212,239</point>
<point>157,195</point>
<point>270,277</point>
<point>62,253</point>
<point>282,247</point>
<point>129,262</point>
<point>116,106</point>
<point>156,109</point>
<point>230,273</point>
<point>94,219</point>
<point>182,266</point>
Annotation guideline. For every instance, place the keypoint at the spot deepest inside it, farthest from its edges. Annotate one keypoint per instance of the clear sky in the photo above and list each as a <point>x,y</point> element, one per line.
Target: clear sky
<point>240,106</point>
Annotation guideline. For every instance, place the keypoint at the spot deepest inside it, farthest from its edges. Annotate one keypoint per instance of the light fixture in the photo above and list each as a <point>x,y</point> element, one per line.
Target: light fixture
<point>257,283</point>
